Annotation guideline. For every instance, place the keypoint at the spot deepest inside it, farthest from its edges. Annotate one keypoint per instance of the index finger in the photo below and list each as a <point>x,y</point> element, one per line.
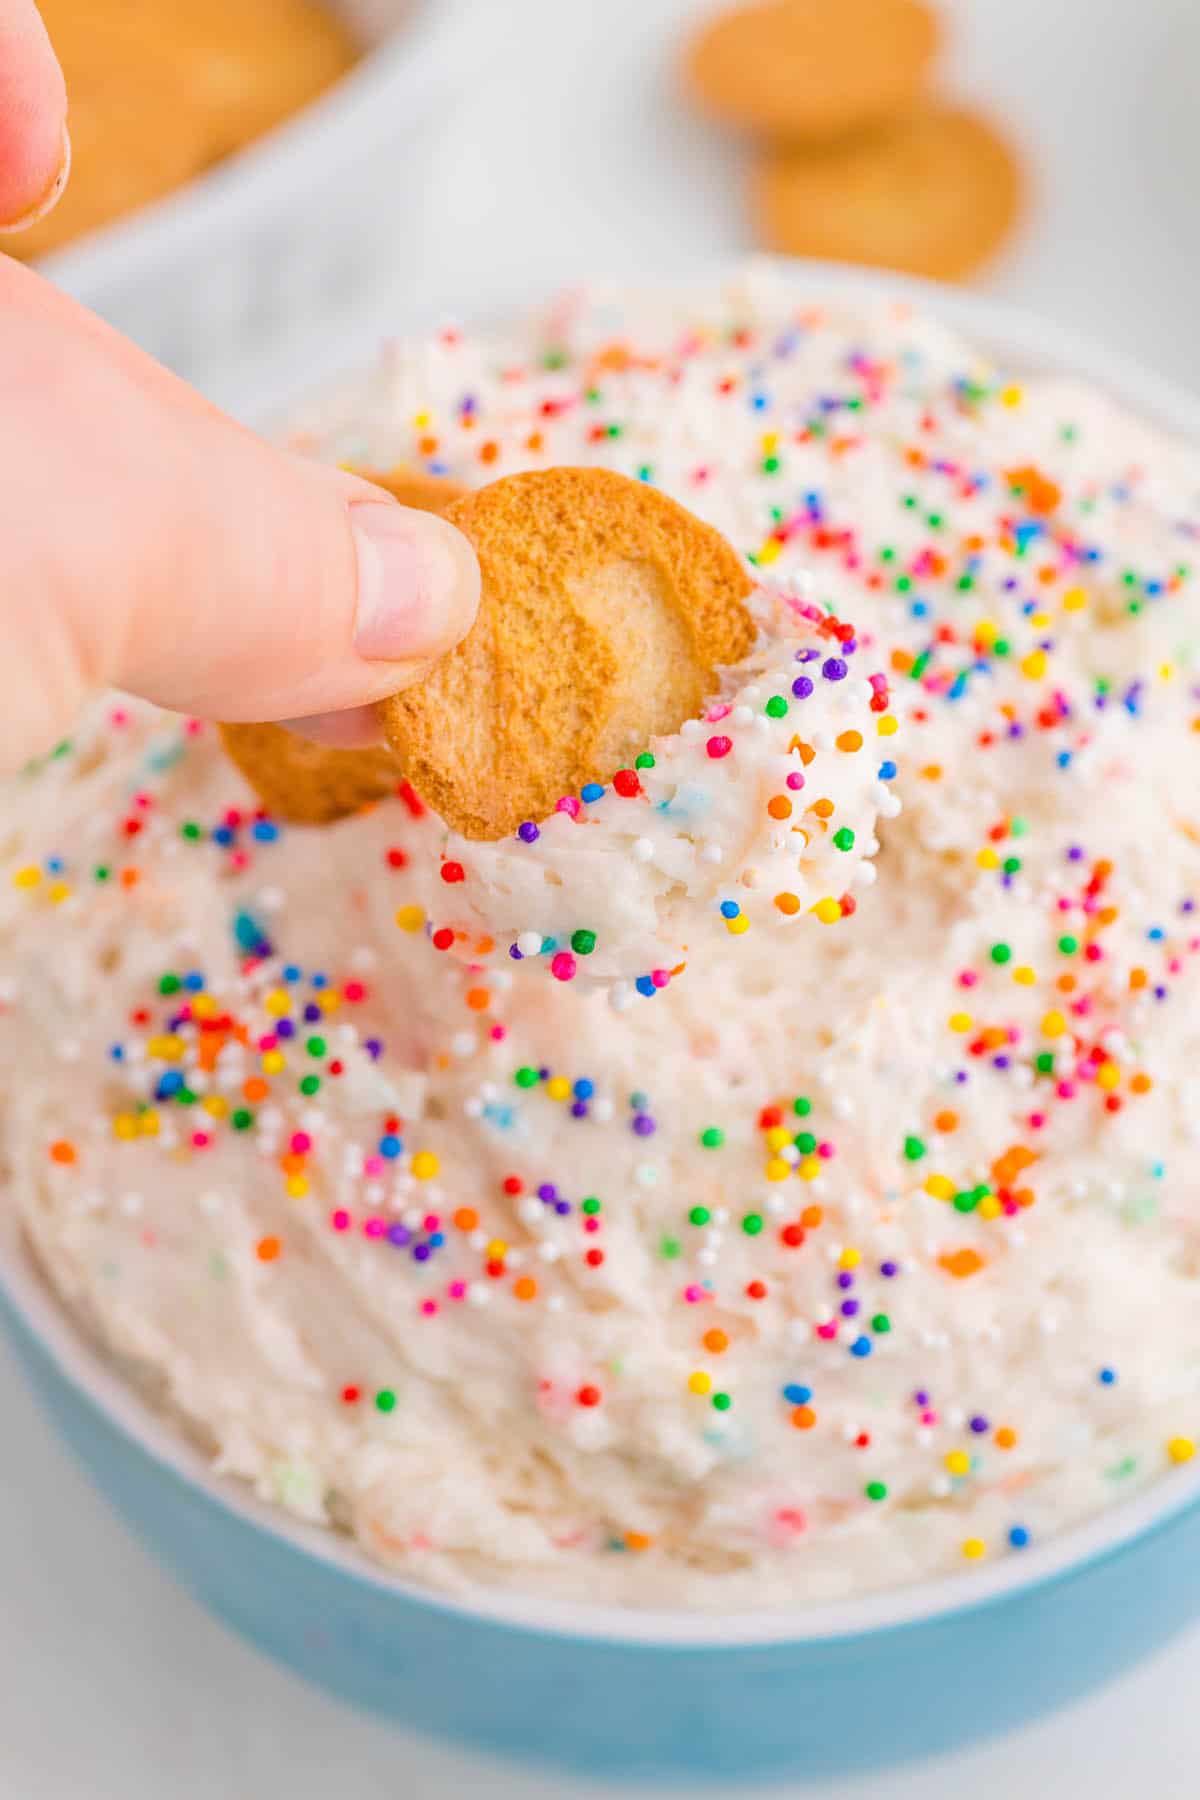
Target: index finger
<point>33,115</point>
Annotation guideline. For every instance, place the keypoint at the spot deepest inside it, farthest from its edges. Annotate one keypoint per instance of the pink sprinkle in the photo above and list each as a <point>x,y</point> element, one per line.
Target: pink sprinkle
<point>968,978</point>
<point>719,746</point>
<point>568,804</point>
<point>340,1220</point>
<point>660,977</point>
<point>374,1166</point>
<point>563,966</point>
<point>301,1143</point>
<point>1065,1090</point>
<point>591,1224</point>
<point>457,1290</point>
<point>720,711</point>
<point>193,727</point>
<point>929,1417</point>
<point>693,1293</point>
<point>200,1140</point>
<point>432,1222</point>
<point>1036,1121</point>
<point>374,1228</point>
<point>826,1150</point>
<point>829,1331</point>
<point>428,1308</point>
<point>795,781</point>
<point>498,1034</point>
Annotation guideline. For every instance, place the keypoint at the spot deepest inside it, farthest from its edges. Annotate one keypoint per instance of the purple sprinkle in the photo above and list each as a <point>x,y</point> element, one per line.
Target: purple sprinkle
<point>888,1269</point>
<point>834,669</point>
<point>373,1048</point>
<point>644,1125</point>
<point>399,1235</point>
<point>849,1309</point>
<point>845,1279</point>
<point>547,1192</point>
<point>562,1208</point>
<point>422,1253</point>
<point>921,1398</point>
<point>802,687</point>
<point>285,1029</point>
<point>1075,853</point>
<point>514,953</point>
<point>979,1424</point>
<point>528,832</point>
<point>579,1109</point>
<point>312,1013</point>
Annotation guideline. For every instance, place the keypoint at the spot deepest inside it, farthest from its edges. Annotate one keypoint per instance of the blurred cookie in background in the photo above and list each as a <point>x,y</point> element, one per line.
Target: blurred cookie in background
<point>854,160</point>
<point>160,90</point>
<point>804,71</point>
<point>934,194</point>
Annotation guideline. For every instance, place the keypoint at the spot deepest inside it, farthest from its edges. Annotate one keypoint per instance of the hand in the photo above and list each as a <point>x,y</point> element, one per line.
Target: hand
<point>152,544</point>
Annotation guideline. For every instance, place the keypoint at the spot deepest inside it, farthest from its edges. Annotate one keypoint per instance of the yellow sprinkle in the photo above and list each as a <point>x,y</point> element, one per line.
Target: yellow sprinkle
<point>987,858</point>
<point>957,1462</point>
<point>778,1136</point>
<point>1011,396</point>
<point>216,1106</point>
<point>297,1186</point>
<point>148,1123</point>
<point>1024,976</point>
<point>888,726</point>
<point>1181,1449</point>
<point>277,1003</point>
<point>1033,666</point>
<point>329,1000</point>
<point>204,1006</point>
<point>769,553</point>
<point>125,1126</point>
<point>770,442</point>
<point>59,891</point>
<point>777,1169</point>
<point>1053,1024</point>
<point>166,1046</point>
<point>987,631</point>
<point>736,927</point>
<point>558,1087</point>
<point>27,877</point>
<point>959,1021</point>
<point>974,1548</point>
<point>827,910</point>
<point>410,918</point>
<point>850,1258</point>
<point>425,1165</point>
<point>989,1207</point>
<point>699,1382</point>
<point>810,1168</point>
<point>497,1250</point>
<point>420,421</point>
<point>273,1062</point>
<point>939,1187</point>
<point>1166,672</point>
<point>1108,1076</point>
<point>1074,600</point>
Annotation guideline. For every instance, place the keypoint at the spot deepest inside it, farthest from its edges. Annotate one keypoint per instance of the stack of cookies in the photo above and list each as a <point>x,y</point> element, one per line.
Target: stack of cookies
<point>854,160</point>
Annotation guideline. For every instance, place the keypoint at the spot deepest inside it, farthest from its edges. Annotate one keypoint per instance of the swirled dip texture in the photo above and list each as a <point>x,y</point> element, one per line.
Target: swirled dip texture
<point>734,1190</point>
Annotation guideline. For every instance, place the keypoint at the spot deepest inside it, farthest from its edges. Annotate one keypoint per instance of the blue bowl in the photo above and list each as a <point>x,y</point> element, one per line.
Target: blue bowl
<point>811,1693</point>
<point>668,1695</point>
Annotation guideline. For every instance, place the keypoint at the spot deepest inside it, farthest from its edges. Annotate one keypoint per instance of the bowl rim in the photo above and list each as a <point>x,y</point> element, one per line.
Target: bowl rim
<point>409,70</point>
<point>1031,345</point>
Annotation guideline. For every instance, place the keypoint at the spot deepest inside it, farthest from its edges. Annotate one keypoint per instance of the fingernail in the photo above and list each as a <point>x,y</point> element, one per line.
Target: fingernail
<point>418,583</point>
<point>357,728</point>
<point>49,200</point>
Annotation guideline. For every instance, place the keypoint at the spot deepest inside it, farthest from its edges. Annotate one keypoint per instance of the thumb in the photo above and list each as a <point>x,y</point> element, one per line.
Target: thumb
<point>152,544</point>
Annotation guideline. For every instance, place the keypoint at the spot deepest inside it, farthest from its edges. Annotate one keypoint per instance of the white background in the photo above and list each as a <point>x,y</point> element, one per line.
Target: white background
<point>570,159</point>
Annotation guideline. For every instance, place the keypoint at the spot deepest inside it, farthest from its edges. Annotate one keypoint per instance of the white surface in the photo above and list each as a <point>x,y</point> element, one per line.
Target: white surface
<point>570,160</point>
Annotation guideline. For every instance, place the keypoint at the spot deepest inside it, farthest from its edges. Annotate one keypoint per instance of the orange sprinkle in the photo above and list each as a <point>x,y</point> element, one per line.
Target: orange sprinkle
<point>822,808</point>
<point>534,441</point>
<point>715,1340</point>
<point>931,772</point>
<point>961,1263</point>
<point>427,446</point>
<point>489,452</point>
<point>811,1217</point>
<point>267,1249</point>
<point>130,877</point>
<point>466,1218</point>
<point>255,1089</point>
<point>946,1121</point>
<point>62,1152</point>
<point>478,999</point>
<point>292,1163</point>
<point>637,1540</point>
<point>1141,1083</point>
<point>1138,978</point>
<point>804,1418</point>
<point>1006,1168</point>
<point>1006,1437</point>
<point>849,740</point>
<point>1065,984</point>
<point>787,903</point>
<point>779,807</point>
<point>525,1287</point>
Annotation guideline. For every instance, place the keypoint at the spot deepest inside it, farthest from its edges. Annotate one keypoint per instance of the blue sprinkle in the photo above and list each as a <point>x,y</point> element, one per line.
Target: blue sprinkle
<point>291,972</point>
<point>730,909</point>
<point>584,1089</point>
<point>591,790</point>
<point>887,770</point>
<point>797,1394</point>
<point>861,1347</point>
<point>1018,1537</point>
<point>193,981</point>
<point>223,834</point>
<point>248,934</point>
<point>1107,1377</point>
<point>168,1084</point>
<point>390,1145</point>
<point>645,986</point>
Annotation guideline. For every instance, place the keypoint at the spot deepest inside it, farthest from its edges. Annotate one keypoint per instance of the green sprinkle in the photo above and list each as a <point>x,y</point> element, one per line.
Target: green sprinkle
<point>844,839</point>
<point>1068,945</point>
<point>554,359</point>
<point>315,1046</point>
<point>876,1490</point>
<point>801,1106</point>
<point>242,1119</point>
<point>1043,1062</point>
<point>881,1323</point>
<point>805,1142</point>
<point>101,872</point>
<point>887,554</point>
<point>964,584</point>
<point>712,1137</point>
<point>722,1402</point>
<point>526,1077</point>
<point>770,465</point>
<point>309,1084</point>
<point>645,472</point>
<point>385,1401</point>
<point>908,500</point>
<point>776,707</point>
<point>914,1149</point>
<point>644,761</point>
<point>1011,864</point>
<point>1001,953</point>
<point>169,984</point>
<point>191,831</point>
<point>752,1224</point>
<point>584,942</point>
<point>669,1248</point>
<point>590,1206</point>
<point>903,584</point>
<point>699,1215</point>
<point>1018,827</point>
